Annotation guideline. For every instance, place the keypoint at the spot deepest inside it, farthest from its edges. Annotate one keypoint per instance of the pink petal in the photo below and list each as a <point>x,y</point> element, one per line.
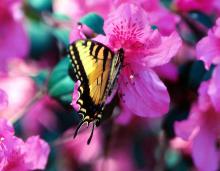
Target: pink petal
<point>158,15</point>
<point>18,96</point>
<point>143,93</point>
<point>127,27</point>
<point>76,96</point>
<point>3,99</point>
<point>214,89</point>
<point>11,32</point>
<point>5,128</point>
<point>124,117</point>
<point>37,151</point>
<point>77,8</point>
<point>9,46</point>
<point>102,39</point>
<point>186,129</point>
<point>161,54</point>
<point>41,116</point>
<point>118,160</point>
<point>80,150</point>
<point>208,50</point>
<point>217,27</point>
<point>14,154</point>
<point>204,151</point>
<point>168,71</point>
<point>204,100</point>
<point>164,20</point>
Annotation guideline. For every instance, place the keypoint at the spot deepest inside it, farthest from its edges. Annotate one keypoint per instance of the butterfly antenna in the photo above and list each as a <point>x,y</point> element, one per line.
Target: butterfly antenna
<point>78,127</point>
<point>90,137</point>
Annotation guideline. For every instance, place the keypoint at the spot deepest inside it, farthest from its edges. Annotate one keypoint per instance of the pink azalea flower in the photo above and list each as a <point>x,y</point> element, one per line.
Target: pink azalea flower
<point>158,15</point>
<point>207,6</point>
<point>208,49</point>
<point>17,155</point>
<point>14,40</point>
<point>143,93</point>
<point>202,126</point>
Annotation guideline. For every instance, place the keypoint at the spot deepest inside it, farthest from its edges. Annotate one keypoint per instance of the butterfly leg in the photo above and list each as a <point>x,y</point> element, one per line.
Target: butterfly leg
<point>78,127</point>
<point>95,123</point>
<point>91,135</point>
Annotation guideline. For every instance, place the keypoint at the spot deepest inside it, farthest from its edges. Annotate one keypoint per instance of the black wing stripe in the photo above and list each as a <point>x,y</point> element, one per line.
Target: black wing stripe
<point>82,70</point>
<point>105,53</point>
<point>97,50</point>
<point>91,49</point>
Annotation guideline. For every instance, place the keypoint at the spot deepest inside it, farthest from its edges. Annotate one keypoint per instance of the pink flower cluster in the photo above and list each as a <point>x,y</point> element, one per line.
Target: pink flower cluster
<point>17,155</point>
<point>202,127</point>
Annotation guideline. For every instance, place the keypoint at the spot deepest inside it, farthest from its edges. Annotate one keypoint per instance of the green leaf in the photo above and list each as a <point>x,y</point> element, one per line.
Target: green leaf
<point>40,5</point>
<point>60,84</point>
<point>40,36</point>
<point>93,21</point>
<point>62,35</point>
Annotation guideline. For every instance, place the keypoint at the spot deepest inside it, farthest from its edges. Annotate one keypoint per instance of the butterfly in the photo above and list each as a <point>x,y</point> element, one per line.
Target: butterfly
<point>97,68</point>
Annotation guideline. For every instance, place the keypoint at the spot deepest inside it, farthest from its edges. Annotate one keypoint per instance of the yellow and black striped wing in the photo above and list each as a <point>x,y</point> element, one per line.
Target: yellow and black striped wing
<point>92,64</point>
